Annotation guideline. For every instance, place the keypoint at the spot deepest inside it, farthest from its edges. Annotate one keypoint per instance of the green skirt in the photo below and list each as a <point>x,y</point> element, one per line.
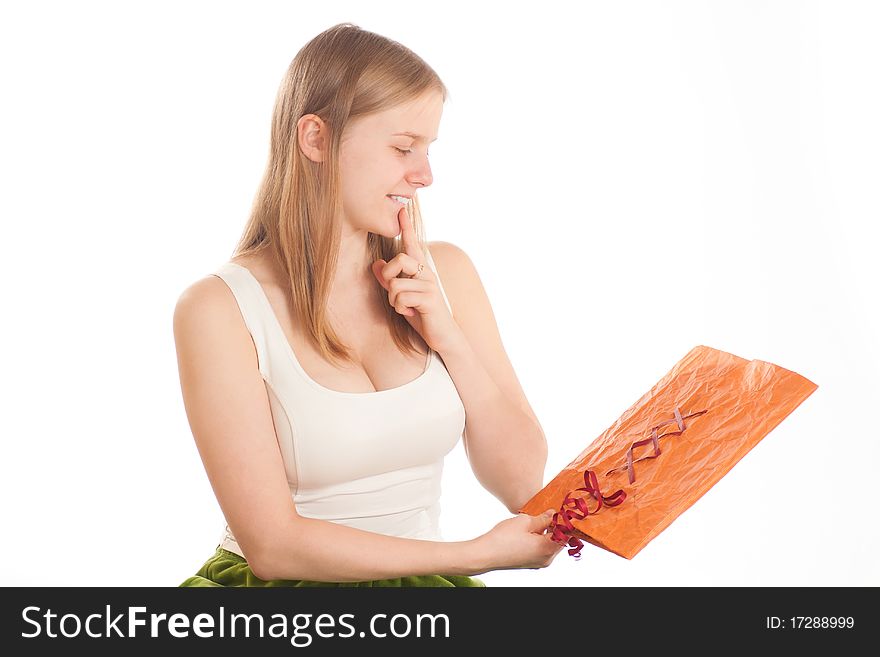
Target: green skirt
<point>226,568</point>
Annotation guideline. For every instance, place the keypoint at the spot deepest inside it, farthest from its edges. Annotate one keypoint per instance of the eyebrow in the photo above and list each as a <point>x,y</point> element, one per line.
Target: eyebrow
<point>413,135</point>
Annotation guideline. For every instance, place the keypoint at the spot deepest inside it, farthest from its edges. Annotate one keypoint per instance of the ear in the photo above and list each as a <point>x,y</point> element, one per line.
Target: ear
<point>377,272</point>
<point>311,134</point>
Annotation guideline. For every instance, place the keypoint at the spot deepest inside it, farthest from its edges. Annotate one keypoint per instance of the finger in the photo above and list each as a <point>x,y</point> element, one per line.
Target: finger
<point>378,266</point>
<point>539,523</point>
<point>408,234</point>
<point>401,266</point>
<point>405,284</point>
<point>386,272</point>
<point>402,295</point>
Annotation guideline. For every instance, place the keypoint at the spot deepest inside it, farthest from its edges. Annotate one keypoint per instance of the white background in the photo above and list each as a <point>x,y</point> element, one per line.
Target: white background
<point>630,179</point>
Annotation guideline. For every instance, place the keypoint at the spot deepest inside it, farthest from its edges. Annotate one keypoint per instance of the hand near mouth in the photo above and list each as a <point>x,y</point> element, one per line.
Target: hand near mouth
<point>413,291</point>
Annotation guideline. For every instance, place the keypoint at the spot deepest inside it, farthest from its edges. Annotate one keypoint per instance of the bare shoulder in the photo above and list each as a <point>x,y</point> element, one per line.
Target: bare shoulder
<point>446,251</point>
<point>453,263</point>
<point>456,271</point>
<point>208,310</point>
<point>210,294</point>
<point>206,300</point>
<point>205,290</point>
<point>207,313</point>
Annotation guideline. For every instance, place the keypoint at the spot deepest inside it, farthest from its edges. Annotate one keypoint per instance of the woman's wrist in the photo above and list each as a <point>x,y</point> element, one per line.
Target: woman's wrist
<point>473,557</point>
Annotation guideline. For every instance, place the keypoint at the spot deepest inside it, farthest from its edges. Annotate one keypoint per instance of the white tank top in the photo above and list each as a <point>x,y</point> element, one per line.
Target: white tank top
<point>369,460</point>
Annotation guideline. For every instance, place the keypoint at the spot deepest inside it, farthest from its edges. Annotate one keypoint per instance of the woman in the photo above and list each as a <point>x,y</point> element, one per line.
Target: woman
<point>323,372</point>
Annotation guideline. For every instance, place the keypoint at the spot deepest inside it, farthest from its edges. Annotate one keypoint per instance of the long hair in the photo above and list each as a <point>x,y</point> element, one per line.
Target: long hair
<point>343,73</point>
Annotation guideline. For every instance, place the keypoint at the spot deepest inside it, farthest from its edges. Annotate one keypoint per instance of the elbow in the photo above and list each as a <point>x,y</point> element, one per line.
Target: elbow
<point>264,566</point>
<point>516,508</point>
<point>259,560</point>
<point>518,499</point>
<point>271,556</point>
<point>260,569</point>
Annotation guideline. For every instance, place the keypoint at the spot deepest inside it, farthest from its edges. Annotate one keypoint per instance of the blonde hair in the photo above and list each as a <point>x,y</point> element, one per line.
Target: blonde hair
<point>342,74</point>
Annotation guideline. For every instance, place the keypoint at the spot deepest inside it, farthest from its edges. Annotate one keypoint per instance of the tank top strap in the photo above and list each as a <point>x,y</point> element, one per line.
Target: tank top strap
<point>253,307</point>
<point>439,284</point>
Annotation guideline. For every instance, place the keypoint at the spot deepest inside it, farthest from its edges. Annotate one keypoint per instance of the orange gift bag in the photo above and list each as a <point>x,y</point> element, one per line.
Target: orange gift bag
<point>667,450</point>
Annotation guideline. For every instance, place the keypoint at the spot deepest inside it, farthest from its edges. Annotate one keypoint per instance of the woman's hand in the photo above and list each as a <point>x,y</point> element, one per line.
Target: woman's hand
<point>418,299</point>
<point>518,542</point>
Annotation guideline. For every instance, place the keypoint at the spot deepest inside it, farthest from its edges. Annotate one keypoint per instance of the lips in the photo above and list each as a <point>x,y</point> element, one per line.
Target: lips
<point>398,202</point>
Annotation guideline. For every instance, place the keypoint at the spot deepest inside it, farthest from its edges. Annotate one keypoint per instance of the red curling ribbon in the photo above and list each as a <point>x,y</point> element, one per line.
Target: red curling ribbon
<point>655,440</point>
<point>561,527</point>
<point>563,531</point>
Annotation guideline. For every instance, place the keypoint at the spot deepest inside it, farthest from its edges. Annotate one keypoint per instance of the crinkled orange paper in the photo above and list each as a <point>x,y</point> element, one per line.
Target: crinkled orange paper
<point>695,424</point>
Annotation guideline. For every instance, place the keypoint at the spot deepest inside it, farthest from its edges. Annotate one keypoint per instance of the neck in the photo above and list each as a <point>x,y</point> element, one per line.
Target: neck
<point>353,264</point>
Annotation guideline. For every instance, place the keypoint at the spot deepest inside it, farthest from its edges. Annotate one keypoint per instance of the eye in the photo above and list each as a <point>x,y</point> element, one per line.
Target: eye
<point>405,152</point>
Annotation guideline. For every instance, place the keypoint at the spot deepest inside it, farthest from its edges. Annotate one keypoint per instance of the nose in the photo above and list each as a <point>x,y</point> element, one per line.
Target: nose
<point>421,174</point>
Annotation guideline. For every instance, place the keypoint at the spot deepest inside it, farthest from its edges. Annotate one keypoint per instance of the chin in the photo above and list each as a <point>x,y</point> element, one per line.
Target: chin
<point>384,233</point>
<point>391,230</point>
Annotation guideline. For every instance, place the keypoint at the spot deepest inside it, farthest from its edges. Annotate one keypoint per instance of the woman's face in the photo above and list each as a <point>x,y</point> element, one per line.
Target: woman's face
<point>376,160</point>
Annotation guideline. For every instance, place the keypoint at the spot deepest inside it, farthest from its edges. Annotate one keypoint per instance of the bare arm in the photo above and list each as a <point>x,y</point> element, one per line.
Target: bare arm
<point>231,420</point>
<point>324,551</point>
<point>504,444</point>
<point>503,439</point>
